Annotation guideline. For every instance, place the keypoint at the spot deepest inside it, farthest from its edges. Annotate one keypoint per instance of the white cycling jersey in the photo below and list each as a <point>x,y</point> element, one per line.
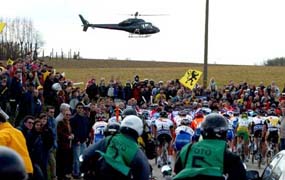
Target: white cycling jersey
<point>163,126</point>
<point>258,123</point>
<point>99,128</point>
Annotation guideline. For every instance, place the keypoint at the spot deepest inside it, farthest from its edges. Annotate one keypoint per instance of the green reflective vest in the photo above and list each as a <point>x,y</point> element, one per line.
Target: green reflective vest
<point>120,152</point>
<point>205,158</point>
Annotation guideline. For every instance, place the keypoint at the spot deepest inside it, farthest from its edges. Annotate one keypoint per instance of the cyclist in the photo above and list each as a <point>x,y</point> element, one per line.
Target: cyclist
<point>197,120</point>
<point>256,128</point>
<point>163,129</point>
<point>209,158</point>
<point>243,134</point>
<point>272,124</point>
<point>184,135</point>
<point>99,128</point>
<point>112,129</point>
<point>118,156</point>
<point>230,132</point>
<point>182,114</point>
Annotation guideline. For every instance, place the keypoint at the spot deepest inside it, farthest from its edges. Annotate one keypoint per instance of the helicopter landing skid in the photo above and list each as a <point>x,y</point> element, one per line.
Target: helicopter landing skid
<point>131,35</point>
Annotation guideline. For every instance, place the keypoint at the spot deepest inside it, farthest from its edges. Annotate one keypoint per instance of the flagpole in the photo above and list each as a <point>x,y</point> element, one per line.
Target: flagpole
<point>205,71</point>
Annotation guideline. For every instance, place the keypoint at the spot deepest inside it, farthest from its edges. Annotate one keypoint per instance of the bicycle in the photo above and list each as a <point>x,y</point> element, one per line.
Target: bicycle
<point>240,148</point>
<point>271,151</point>
<point>257,155</point>
<point>164,139</point>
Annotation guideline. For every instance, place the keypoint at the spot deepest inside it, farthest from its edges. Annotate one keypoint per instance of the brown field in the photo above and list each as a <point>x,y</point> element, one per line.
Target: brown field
<point>83,70</point>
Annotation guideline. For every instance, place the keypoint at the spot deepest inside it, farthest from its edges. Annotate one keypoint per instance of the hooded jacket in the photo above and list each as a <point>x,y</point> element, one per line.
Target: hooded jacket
<point>14,138</point>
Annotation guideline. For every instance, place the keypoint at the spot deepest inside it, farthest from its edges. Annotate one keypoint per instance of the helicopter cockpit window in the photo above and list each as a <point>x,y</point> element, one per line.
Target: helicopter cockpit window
<point>146,26</point>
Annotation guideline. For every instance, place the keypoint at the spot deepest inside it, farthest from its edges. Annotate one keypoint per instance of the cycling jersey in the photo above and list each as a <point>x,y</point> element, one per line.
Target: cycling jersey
<point>273,123</point>
<point>99,128</point>
<point>242,129</point>
<point>243,124</point>
<point>196,122</point>
<point>184,135</point>
<point>257,124</point>
<point>163,126</point>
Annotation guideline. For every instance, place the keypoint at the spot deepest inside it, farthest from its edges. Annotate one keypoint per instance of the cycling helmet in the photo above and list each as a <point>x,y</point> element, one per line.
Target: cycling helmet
<point>12,165</point>
<point>145,115</point>
<point>199,114</point>
<point>132,122</point>
<point>185,122</point>
<point>244,115</point>
<point>226,115</point>
<point>163,114</point>
<point>166,170</point>
<point>129,111</point>
<point>215,126</point>
<point>112,128</point>
<point>182,113</point>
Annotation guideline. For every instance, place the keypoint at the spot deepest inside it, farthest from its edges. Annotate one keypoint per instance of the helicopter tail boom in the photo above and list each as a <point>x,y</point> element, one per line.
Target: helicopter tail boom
<point>84,22</point>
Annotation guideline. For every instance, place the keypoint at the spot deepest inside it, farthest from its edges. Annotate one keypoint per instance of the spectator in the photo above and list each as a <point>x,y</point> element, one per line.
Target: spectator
<point>15,90</point>
<point>127,91</point>
<point>74,99</point>
<point>52,125</point>
<point>282,127</point>
<point>4,94</point>
<point>42,142</point>
<point>37,149</point>
<point>26,127</point>
<point>64,150</point>
<point>102,88</point>
<point>79,126</point>
<point>92,90</point>
<point>63,107</point>
<point>14,139</point>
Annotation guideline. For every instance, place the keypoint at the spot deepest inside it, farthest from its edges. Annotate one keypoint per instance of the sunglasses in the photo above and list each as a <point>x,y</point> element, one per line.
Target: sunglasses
<point>67,114</point>
<point>30,122</point>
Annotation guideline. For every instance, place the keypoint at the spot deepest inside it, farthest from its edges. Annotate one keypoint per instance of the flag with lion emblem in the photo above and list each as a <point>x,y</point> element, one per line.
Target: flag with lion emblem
<point>190,78</point>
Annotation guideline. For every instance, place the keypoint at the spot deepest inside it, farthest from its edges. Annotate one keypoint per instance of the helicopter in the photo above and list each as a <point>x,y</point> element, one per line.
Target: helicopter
<point>135,26</point>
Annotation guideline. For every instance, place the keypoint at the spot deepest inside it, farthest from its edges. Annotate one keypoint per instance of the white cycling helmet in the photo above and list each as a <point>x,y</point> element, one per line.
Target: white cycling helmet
<point>133,122</point>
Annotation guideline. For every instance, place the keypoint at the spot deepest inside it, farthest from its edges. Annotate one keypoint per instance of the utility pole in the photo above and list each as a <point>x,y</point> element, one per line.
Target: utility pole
<point>205,71</point>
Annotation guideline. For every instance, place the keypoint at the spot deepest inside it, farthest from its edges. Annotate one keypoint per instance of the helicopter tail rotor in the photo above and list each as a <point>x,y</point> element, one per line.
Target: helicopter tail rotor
<point>84,22</point>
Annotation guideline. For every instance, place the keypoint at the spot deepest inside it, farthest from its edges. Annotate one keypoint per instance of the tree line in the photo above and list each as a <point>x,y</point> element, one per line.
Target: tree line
<point>19,38</point>
<point>279,61</point>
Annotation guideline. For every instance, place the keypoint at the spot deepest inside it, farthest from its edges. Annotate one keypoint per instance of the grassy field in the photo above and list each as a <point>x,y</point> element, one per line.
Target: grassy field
<point>83,70</point>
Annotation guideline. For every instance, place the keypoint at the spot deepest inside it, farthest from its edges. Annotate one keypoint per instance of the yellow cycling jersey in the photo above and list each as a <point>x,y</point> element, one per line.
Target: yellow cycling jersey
<point>273,123</point>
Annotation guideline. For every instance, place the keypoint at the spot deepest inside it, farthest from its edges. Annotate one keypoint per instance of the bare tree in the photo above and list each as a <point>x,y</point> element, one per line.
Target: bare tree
<point>19,38</point>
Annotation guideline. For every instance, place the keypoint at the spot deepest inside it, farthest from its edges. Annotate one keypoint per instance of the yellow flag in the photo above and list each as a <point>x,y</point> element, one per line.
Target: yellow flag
<point>9,62</point>
<point>190,78</point>
<point>2,25</point>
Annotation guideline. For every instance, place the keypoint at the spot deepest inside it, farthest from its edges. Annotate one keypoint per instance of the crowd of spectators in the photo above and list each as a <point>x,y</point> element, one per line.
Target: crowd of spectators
<point>56,117</point>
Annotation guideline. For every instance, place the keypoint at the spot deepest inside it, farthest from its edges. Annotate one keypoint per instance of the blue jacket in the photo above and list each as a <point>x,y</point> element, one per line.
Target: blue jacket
<point>79,127</point>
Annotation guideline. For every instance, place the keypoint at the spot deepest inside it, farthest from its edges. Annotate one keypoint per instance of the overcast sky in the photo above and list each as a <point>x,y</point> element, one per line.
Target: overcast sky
<point>240,31</point>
